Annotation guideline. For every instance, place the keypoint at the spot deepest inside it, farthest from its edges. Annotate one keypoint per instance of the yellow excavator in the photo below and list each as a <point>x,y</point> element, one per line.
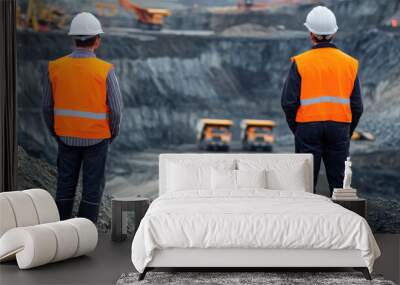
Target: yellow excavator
<point>148,18</point>
<point>41,18</point>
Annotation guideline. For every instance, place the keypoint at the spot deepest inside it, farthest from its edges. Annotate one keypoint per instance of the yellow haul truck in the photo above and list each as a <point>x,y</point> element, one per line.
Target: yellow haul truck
<point>257,134</point>
<point>214,134</point>
<point>362,136</point>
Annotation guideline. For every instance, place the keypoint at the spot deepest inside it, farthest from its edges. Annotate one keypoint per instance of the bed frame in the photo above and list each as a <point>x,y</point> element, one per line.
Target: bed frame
<point>250,259</point>
<point>246,259</point>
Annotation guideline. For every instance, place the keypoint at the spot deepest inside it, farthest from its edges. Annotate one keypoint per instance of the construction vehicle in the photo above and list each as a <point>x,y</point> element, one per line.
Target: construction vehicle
<point>253,5</point>
<point>257,134</point>
<point>362,136</point>
<point>250,5</point>
<point>394,23</point>
<point>245,4</point>
<point>41,18</point>
<point>214,134</point>
<point>148,18</point>
<point>106,9</point>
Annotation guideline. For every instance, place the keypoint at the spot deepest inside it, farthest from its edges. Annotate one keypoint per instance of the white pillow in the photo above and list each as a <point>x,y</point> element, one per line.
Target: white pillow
<point>230,180</point>
<point>295,180</point>
<point>185,178</point>
<point>193,174</point>
<point>281,175</point>
<point>251,178</point>
<point>223,179</point>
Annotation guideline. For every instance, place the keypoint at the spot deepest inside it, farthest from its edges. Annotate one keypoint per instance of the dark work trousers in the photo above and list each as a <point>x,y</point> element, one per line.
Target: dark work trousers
<point>329,141</point>
<point>69,161</point>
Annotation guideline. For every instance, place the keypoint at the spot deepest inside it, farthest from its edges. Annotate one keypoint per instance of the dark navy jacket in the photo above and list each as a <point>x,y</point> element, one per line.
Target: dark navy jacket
<point>291,96</point>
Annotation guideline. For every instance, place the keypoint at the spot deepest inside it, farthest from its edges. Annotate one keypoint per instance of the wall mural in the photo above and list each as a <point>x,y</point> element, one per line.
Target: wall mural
<point>210,63</point>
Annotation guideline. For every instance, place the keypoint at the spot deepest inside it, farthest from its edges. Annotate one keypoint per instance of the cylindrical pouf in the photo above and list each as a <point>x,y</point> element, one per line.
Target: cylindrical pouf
<point>23,208</point>
<point>7,218</point>
<point>45,206</point>
<point>33,246</point>
<point>67,240</point>
<point>41,244</point>
<point>87,234</point>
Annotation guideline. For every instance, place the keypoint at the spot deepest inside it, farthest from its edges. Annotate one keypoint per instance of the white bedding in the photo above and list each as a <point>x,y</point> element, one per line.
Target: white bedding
<point>250,219</point>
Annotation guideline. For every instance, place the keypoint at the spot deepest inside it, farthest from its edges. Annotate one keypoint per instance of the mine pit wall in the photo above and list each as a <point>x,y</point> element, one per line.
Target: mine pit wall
<point>168,82</point>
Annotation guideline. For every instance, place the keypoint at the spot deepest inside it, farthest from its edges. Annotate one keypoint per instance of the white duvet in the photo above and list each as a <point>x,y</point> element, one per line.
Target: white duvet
<point>250,219</point>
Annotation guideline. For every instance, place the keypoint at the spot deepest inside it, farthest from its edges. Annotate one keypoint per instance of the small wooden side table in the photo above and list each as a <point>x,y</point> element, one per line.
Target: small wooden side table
<point>119,219</point>
<point>358,206</point>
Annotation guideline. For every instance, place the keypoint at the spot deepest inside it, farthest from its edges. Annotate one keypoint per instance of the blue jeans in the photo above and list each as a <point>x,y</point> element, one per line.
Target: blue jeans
<point>329,141</point>
<point>69,161</point>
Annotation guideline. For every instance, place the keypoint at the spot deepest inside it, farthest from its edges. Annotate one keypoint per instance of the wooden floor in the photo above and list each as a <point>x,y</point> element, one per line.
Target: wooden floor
<point>110,260</point>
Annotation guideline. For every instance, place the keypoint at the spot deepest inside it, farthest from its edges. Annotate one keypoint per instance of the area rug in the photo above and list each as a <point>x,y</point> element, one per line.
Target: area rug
<point>253,278</point>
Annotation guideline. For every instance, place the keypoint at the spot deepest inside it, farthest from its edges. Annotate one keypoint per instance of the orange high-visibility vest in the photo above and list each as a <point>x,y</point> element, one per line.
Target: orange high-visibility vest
<point>327,81</point>
<point>80,102</point>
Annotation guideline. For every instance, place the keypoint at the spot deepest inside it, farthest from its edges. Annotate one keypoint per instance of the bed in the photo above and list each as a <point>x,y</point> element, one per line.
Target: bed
<point>247,211</point>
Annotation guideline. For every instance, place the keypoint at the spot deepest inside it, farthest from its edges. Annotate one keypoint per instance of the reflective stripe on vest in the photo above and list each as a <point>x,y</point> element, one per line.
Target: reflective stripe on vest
<point>327,81</point>
<point>79,88</point>
<point>324,99</point>
<point>80,114</point>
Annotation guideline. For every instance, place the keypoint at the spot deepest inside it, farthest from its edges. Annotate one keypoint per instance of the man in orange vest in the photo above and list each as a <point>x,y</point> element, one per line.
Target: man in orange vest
<point>322,98</point>
<point>82,108</point>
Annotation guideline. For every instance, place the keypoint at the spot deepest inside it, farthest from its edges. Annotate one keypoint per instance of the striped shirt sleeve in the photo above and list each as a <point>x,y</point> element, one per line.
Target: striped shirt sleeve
<point>48,104</point>
<point>114,102</point>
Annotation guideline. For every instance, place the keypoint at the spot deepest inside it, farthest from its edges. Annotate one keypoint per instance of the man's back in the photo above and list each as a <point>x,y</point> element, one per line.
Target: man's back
<point>80,97</point>
<point>328,77</point>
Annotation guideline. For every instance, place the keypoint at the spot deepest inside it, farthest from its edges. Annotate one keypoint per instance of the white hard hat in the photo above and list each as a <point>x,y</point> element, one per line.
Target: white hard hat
<point>85,24</point>
<point>321,21</point>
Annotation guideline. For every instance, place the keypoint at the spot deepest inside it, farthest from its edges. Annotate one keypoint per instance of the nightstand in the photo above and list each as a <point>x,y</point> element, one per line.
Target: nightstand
<point>358,206</point>
<point>120,207</point>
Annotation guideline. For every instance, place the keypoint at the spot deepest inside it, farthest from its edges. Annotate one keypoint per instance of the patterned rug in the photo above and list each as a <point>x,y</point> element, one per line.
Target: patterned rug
<point>244,278</point>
